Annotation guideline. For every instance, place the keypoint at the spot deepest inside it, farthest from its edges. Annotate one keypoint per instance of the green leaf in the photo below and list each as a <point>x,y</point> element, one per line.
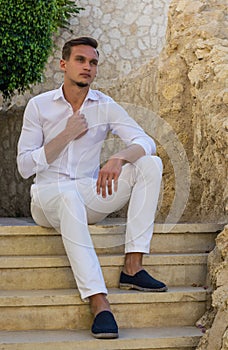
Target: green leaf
<point>26,30</point>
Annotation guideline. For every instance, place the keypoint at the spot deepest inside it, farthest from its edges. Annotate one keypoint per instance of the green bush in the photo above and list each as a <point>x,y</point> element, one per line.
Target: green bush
<point>26,39</point>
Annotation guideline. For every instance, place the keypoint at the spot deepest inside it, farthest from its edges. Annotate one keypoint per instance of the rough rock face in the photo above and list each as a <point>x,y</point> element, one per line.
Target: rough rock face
<point>193,96</point>
<point>187,87</point>
<point>216,337</point>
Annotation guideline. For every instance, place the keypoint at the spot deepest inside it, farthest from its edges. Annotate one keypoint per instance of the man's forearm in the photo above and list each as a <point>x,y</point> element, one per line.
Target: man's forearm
<point>56,146</point>
<point>130,154</point>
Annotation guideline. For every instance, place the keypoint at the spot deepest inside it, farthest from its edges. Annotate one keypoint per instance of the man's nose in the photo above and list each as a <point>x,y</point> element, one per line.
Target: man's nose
<point>87,65</point>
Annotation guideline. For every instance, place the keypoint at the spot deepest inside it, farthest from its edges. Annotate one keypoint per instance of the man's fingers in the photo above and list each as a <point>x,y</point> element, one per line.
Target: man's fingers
<point>116,177</point>
<point>77,125</point>
<point>101,184</point>
<point>110,185</point>
<point>108,176</point>
<point>104,185</point>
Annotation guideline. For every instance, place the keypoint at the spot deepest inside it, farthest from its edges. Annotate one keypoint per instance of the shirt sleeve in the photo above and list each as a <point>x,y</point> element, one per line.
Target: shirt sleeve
<point>31,157</point>
<point>128,130</point>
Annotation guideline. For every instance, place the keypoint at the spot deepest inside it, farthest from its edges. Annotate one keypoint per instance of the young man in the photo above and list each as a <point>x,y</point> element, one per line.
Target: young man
<point>60,142</point>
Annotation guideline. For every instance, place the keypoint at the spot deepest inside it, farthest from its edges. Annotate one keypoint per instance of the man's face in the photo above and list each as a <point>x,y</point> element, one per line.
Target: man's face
<point>81,68</point>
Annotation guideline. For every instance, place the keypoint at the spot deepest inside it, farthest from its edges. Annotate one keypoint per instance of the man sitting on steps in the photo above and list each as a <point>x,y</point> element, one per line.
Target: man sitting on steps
<point>61,140</point>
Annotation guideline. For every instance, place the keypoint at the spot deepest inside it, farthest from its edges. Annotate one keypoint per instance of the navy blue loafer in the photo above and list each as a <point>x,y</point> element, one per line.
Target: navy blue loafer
<point>104,326</point>
<point>141,281</point>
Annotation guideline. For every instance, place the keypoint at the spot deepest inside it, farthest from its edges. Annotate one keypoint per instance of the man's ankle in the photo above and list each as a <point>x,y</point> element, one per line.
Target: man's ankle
<point>133,263</point>
<point>133,271</point>
<point>98,303</point>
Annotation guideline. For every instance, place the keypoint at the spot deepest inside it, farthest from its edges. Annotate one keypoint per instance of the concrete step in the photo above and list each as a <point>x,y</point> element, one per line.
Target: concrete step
<point>44,272</point>
<point>63,309</point>
<point>108,238</point>
<point>173,338</point>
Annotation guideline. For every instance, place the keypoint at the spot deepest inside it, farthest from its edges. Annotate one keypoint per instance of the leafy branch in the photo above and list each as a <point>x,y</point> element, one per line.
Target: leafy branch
<point>26,39</point>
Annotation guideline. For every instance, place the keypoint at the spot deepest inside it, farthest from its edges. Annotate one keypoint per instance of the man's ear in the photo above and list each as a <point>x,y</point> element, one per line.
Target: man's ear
<point>63,65</point>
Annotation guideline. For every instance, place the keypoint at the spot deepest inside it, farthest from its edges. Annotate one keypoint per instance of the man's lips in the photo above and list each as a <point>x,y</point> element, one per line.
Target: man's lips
<point>85,75</point>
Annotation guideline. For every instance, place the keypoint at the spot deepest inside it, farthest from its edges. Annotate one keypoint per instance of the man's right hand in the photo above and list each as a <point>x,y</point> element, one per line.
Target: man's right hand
<point>76,126</point>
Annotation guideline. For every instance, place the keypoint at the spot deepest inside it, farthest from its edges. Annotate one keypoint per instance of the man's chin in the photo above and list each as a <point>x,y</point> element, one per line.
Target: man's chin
<point>81,85</point>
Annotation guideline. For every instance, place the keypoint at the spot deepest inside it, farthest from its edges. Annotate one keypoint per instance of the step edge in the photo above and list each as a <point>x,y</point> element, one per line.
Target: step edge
<point>126,335</point>
<point>45,261</point>
<point>120,227</point>
<point>116,296</point>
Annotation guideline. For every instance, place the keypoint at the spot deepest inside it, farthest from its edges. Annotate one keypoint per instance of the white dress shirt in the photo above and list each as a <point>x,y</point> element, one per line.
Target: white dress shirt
<point>46,116</point>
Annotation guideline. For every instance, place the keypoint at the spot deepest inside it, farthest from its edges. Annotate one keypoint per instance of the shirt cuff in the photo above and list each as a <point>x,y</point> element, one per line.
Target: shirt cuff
<point>149,147</point>
<point>40,160</point>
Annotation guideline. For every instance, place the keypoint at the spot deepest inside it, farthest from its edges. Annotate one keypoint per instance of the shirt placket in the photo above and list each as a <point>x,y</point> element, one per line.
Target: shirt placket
<point>70,170</point>
<point>72,162</point>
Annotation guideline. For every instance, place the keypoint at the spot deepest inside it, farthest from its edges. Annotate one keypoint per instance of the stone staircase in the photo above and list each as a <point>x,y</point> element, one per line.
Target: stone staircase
<point>40,308</point>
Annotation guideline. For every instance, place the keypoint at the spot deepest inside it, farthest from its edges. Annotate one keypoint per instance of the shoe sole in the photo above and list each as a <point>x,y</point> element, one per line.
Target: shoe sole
<point>133,286</point>
<point>105,335</point>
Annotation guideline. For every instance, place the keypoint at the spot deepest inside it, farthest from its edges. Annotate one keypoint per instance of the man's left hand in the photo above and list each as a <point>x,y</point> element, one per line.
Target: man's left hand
<point>108,174</point>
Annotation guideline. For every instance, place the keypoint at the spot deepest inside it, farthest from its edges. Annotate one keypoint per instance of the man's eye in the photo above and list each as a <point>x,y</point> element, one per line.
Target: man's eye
<point>94,63</point>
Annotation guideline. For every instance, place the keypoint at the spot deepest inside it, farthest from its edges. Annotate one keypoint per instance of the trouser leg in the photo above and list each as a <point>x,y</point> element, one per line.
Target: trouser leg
<point>65,210</point>
<point>143,204</point>
<point>140,182</point>
<point>68,205</point>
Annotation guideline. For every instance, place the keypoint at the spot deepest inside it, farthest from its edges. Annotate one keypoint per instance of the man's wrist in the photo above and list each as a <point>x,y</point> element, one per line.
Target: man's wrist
<point>122,161</point>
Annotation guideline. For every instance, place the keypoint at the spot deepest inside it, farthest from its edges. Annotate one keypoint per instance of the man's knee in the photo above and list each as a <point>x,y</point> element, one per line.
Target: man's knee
<point>150,165</point>
<point>40,215</point>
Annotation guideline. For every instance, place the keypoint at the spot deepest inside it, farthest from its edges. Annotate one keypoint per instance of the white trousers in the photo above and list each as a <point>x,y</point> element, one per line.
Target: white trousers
<point>70,205</point>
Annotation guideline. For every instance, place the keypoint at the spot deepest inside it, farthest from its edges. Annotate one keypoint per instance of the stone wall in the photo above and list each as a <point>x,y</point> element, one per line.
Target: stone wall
<point>14,192</point>
<point>128,37</point>
<point>215,320</point>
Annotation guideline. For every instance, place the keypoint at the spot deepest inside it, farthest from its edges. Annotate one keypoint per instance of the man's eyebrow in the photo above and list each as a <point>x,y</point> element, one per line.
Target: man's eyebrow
<point>81,56</point>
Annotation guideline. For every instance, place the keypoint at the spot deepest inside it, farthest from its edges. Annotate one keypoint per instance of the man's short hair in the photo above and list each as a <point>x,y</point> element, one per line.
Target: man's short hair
<point>84,40</point>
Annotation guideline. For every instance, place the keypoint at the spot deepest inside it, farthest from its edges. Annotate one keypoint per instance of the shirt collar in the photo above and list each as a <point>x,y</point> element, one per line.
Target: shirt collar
<point>59,93</point>
<point>92,95</point>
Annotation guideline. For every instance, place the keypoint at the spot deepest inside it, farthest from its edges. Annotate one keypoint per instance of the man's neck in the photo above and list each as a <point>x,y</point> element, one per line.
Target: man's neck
<point>75,95</point>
